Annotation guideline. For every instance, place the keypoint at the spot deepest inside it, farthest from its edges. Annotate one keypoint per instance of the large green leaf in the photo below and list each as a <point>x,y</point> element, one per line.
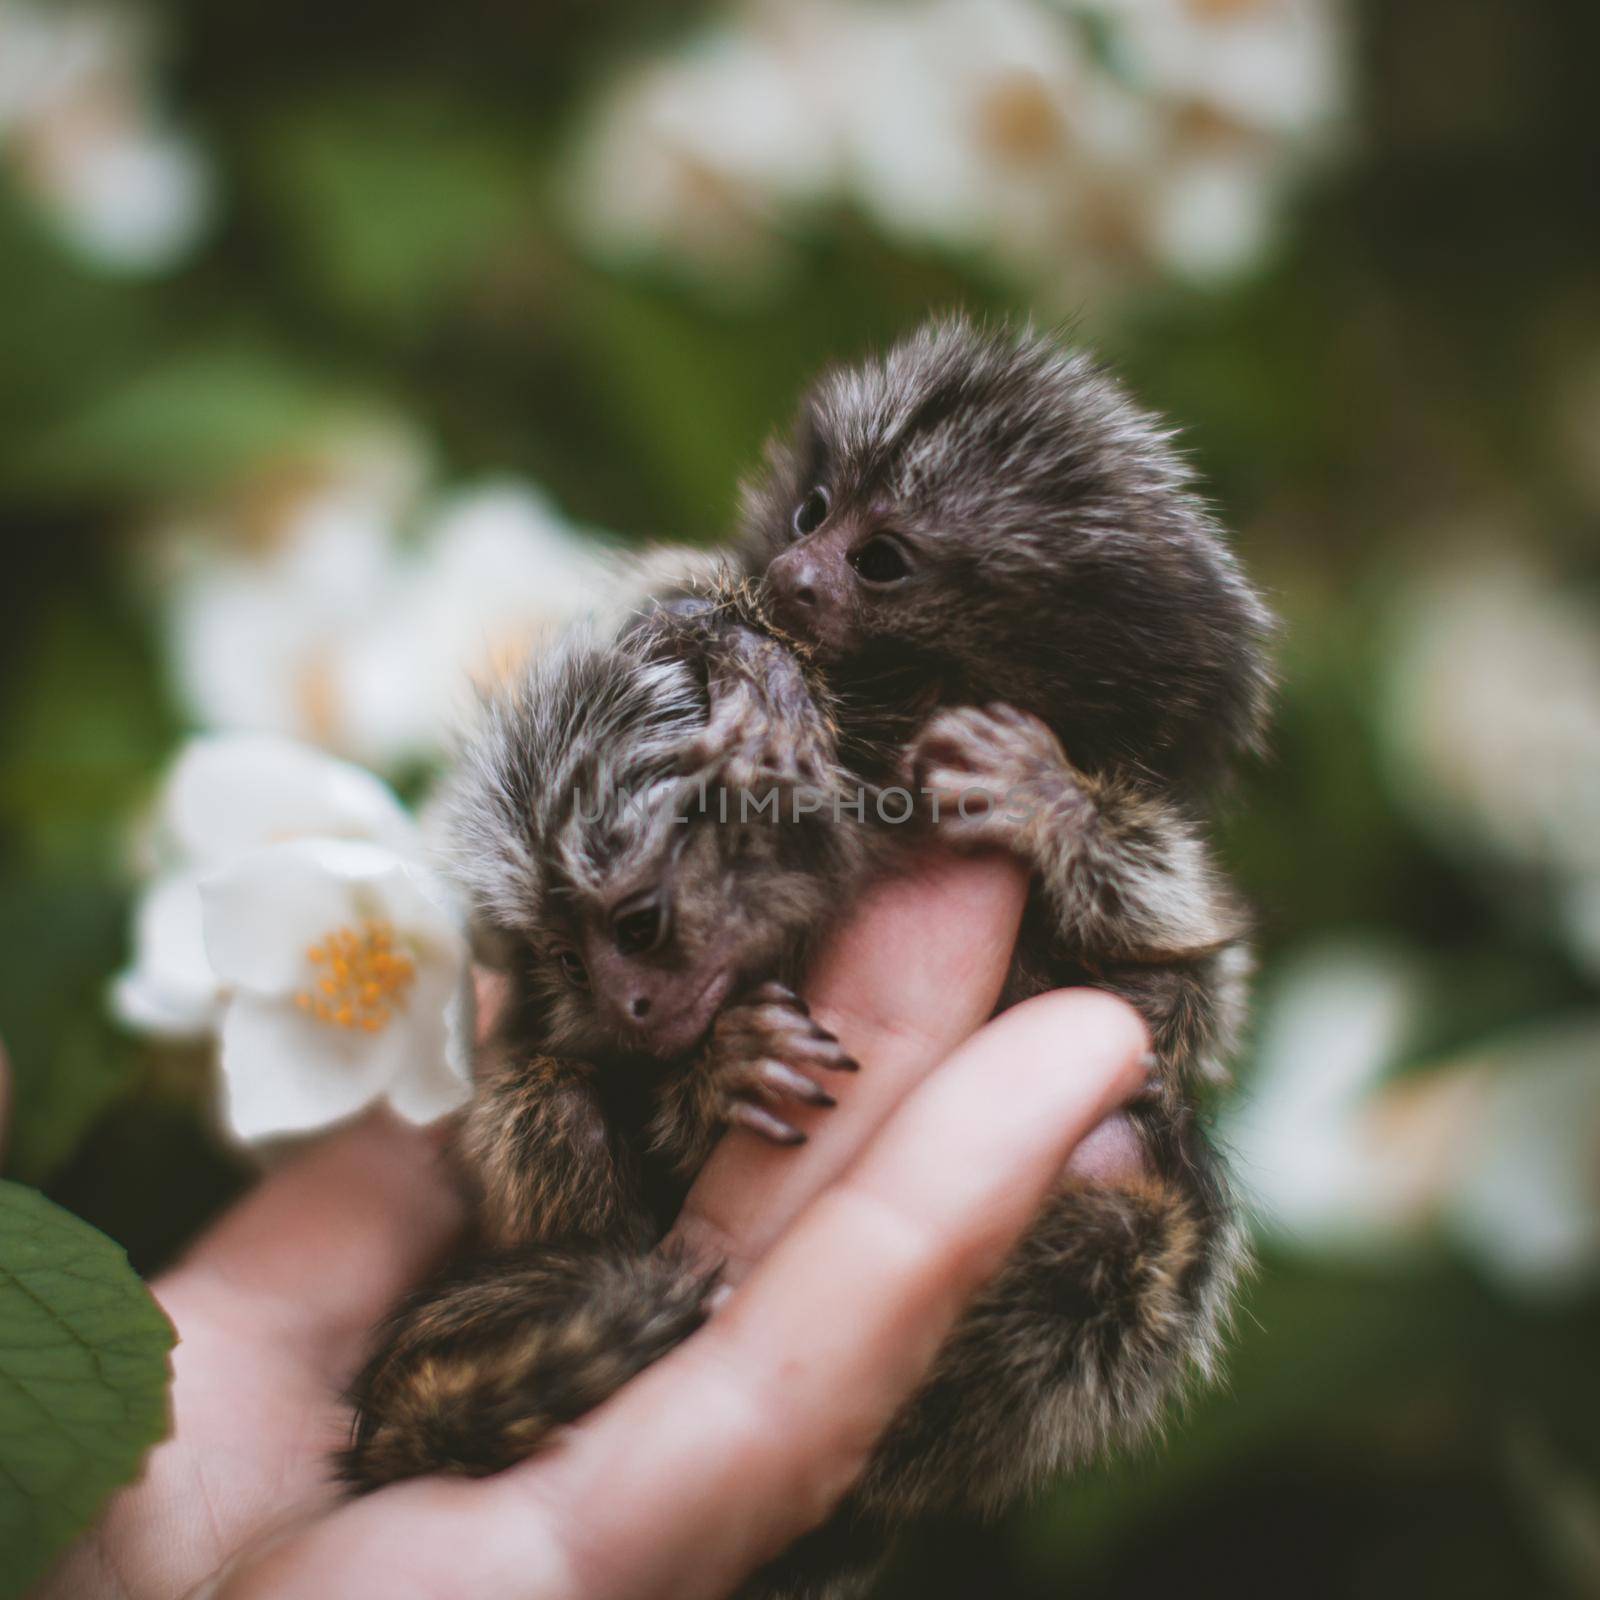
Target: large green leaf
<point>83,1378</point>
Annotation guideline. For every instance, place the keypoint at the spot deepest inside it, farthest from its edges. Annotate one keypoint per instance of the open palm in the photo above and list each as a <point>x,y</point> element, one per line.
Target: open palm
<point>849,1261</point>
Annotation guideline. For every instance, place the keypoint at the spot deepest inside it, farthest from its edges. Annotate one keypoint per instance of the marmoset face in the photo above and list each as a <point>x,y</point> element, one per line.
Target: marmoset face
<point>625,907</point>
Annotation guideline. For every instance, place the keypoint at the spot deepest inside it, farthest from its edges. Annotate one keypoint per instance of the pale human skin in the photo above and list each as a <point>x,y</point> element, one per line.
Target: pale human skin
<point>848,1260</point>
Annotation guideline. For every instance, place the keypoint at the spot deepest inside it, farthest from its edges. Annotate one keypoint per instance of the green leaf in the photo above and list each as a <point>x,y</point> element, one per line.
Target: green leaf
<point>83,1378</point>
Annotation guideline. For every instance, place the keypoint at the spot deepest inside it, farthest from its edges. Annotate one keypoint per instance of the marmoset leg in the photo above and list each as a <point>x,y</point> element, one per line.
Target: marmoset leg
<point>1108,1308</point>
<point>544,1160</point>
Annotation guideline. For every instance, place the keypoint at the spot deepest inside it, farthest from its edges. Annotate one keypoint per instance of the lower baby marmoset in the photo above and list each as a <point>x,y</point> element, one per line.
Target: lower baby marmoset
<point>647,946</point>
<point>997,566</point>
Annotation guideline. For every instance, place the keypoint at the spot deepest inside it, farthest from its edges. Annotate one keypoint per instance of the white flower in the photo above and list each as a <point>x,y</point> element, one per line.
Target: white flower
<point>1334,1022</point>
<point>497,576</point>
<point>972,123</point>
<point>331,626</point>
<point>291,914</point>
<point>1497,1151</point>
<point>698,155</point>
<point>1493,727</point>
<point>80,132</point>
<point>345,982</point>
<point>226,797</point>
<point>992,125</point>
<point>1270,64</point>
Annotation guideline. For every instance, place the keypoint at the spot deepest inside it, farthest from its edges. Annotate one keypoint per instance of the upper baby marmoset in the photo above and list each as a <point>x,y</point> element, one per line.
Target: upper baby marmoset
<point>999,566</point>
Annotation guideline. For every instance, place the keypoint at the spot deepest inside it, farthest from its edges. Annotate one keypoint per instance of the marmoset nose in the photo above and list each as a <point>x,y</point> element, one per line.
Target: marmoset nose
<point>794,580</point>
<point>639,925</point>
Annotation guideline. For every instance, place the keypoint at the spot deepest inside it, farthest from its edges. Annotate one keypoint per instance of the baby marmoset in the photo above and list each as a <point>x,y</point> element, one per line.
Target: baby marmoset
<point>645,941</point>
<point>999,566</point>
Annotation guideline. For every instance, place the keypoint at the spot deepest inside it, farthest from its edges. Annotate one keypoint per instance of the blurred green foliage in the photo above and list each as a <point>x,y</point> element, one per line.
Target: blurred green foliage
<point>390,242</point>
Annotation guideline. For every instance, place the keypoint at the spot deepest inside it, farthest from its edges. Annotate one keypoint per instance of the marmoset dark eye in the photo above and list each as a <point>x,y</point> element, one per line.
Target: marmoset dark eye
<point>810,514</point>
<point>572,968</point>
<point>640,925</point>
<point>881,560</point>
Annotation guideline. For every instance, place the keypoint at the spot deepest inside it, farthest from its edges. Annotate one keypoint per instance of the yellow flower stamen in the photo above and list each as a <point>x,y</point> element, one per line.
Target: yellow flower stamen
<point>367,982</point>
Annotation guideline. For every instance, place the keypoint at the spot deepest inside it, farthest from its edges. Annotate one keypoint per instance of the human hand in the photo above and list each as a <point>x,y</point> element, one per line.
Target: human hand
<point>853,1257</point>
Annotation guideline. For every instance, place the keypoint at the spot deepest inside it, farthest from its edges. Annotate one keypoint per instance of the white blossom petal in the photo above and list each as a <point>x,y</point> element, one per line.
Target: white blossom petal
<point>1493,720</point>
<point>171,988</point>
<point>1527,1204</point>
<point>90,144</point>
<point>230,794</point>
<point>438,1078</point>
<point>1212,215</point>
<point>283,1072</point>
<point>137,200</point>
<point>1333,1024</point>
<point>1274,64</point>
<point>141,1003</point>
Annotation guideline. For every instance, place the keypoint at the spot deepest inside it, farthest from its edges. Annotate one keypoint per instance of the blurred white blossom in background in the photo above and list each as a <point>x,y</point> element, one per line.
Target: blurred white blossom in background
<point>1264,64</point>
<point>1332,1024</point>
<point>1494,1152</point>
<point>1492,727</point>
<point>345,607</point>
<point>83,135</point>
<point>702,155</point>
<point>291,911</point>
<point>1066,141</point>
<point>1526,1202</point>
<point>1490,723</point>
